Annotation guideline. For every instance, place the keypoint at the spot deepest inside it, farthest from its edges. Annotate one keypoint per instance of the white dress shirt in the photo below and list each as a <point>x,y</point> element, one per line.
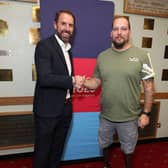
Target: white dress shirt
<point>65,48</point>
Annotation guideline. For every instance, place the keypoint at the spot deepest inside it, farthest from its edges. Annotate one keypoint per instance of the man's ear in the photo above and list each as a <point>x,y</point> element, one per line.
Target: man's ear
<point>55,26</point>
<point>111,34</point>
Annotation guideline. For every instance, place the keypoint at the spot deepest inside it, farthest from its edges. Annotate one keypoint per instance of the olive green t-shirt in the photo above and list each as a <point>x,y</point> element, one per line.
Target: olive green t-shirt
<point>121,74</point>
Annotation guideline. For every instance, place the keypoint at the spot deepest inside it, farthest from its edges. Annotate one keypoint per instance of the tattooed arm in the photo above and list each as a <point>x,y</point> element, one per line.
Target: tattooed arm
<point>148,86</point>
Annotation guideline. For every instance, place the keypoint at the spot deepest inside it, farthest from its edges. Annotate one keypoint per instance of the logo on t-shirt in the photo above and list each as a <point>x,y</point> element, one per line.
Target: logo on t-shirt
<point>133,59</point>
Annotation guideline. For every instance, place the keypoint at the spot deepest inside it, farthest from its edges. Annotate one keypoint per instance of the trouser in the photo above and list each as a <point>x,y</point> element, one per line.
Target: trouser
<point>50,138</point>
<point>127,134</point>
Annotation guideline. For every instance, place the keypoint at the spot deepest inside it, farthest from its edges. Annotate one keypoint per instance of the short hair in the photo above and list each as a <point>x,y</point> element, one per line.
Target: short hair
<point>121,16</point>
<point>57,15</point>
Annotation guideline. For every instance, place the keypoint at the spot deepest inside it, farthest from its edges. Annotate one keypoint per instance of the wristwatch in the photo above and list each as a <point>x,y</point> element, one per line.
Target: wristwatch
<point>146,113</point>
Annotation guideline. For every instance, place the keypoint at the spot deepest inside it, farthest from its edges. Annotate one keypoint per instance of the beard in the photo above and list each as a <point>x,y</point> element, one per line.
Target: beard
<point>119,45</point>
<point>65,38</point>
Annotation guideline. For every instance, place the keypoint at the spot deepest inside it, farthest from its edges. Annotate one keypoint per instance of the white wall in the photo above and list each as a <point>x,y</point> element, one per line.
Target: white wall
<point>19,20</point>
<point>18,16</point>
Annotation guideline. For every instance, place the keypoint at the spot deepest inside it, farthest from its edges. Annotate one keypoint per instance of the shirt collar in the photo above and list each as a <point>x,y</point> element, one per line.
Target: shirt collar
<point>66,46</point>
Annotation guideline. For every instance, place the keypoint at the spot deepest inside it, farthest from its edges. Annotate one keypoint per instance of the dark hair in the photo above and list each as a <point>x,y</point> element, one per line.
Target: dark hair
<point>57,15</point>
<point>121,16</point>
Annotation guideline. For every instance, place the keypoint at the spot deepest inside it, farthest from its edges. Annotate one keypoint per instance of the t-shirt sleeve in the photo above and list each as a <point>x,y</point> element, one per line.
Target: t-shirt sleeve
<point>96,73</point>
<point>147,69</point>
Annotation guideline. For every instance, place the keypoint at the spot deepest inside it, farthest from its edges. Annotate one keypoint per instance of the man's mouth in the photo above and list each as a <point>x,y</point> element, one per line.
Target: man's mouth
<point>119,38</point>
<point>66,33</point>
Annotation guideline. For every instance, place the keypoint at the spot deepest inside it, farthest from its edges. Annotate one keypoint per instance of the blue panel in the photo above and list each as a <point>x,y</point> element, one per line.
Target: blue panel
<point>83,138</point>
<point>93,23</point>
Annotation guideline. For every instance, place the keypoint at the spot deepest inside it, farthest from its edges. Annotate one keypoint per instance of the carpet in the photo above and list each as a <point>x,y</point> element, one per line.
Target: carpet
<point>149,155</point>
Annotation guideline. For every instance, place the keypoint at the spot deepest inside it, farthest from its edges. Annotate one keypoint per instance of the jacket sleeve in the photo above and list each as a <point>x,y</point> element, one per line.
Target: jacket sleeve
<point>50,73</point>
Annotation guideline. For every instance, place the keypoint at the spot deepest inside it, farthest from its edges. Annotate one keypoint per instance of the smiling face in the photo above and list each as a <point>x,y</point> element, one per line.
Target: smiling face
<point>64,27</point>
<point>120,33</point>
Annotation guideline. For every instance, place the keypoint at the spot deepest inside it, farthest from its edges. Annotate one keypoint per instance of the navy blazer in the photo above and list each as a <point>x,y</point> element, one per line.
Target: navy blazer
<point>53,79</point>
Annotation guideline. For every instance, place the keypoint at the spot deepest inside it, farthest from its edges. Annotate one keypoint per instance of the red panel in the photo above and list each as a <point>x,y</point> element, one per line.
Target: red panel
<point>85,100</point>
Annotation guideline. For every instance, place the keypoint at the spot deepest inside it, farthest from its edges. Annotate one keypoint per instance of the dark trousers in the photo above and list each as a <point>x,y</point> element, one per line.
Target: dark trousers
<point>50,136</point>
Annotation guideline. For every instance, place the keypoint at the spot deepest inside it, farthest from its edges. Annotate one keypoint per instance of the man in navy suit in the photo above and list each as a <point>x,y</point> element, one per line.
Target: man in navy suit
<point>52,100</point>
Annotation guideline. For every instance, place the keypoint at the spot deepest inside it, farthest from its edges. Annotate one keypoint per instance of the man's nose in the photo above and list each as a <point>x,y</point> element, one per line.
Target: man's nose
<point>67,27</point>
<point>119,31</point>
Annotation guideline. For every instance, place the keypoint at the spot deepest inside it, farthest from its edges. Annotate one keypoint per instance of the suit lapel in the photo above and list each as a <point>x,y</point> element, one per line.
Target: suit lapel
<point>58,50</point>
<point>70,55</point>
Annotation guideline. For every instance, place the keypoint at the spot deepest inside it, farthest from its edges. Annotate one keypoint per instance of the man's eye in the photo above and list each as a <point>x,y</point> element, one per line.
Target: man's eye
<point>63,23</point>
<point>115,29</point>
<point>123,28</point>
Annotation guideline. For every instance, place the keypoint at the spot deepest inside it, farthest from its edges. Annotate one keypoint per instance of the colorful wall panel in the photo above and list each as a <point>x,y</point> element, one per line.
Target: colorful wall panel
<point>93,26</point>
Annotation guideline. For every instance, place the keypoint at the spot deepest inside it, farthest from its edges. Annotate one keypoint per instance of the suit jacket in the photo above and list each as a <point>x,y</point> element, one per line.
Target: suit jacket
<point>53,79</point>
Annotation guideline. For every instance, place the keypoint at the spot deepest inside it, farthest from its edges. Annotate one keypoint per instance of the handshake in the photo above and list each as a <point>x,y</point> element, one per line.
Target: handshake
<point>78,81</point>
<point>87,82</point>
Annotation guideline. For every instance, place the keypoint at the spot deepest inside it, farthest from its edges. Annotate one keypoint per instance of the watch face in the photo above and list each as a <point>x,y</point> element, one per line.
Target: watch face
<point>146,113</point>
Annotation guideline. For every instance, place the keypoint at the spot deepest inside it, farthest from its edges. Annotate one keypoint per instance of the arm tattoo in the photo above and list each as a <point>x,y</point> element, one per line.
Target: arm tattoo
<point>148,94</point>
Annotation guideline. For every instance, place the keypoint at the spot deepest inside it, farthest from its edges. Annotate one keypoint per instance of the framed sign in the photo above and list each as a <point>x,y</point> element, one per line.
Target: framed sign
<point>149,8</point>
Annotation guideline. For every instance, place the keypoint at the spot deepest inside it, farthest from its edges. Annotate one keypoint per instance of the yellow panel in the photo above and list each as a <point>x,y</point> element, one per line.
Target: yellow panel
<point>36,14</point>
<point>34,73</point>
<point>165,75</point>
<point>148,24</point>
<point>3,27</point>
<point>6,75</point>
<point>34,35</point>
<point>146,42</point>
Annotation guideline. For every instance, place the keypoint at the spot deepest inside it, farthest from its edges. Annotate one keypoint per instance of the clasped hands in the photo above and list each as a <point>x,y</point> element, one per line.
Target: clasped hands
<point>78,81</point>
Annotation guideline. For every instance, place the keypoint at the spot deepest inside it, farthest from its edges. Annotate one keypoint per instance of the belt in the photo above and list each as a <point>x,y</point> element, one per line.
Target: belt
<point>69,100</point>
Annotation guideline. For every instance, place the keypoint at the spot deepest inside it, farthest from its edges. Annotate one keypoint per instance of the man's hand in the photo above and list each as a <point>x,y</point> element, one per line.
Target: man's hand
<point>78,81</point>
<point>143,120</point>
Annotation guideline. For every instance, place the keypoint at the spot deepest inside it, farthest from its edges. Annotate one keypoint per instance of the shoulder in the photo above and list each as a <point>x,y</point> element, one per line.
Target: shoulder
<point>139,53</point>
<point>47,42</point>
<point>138,50</point>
